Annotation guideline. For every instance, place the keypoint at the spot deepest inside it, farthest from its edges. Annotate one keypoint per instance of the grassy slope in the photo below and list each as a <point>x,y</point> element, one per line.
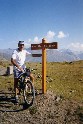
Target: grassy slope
<point>65,79</point>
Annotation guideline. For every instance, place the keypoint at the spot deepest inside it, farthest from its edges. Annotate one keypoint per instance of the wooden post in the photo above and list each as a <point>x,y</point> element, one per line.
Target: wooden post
<point>43,67</point>
<point>43,46</point>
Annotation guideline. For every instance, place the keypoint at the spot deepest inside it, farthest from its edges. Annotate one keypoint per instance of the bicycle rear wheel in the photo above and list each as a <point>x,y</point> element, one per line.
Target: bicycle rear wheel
<point>29,93</point>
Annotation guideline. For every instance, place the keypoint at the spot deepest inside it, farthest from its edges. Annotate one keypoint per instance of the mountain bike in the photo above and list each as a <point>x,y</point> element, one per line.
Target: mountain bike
<point>26,88</point>
<point>26,96</point>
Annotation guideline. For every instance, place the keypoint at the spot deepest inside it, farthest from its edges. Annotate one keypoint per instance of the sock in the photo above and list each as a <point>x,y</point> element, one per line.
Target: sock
<point>16,96</point>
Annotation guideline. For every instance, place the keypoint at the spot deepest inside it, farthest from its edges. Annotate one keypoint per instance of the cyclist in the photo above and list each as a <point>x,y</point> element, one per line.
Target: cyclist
<point>18,61</point>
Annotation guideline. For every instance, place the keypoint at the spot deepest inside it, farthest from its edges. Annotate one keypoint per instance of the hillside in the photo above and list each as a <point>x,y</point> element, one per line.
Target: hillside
<point>63,102</point>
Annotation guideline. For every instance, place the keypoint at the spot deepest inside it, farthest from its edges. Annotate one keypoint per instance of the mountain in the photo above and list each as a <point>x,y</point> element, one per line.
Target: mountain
<point>69,55</point>
<point>80,55</point>
<point>6,53</point>
<point>52,55</point>
<point>59,55</point>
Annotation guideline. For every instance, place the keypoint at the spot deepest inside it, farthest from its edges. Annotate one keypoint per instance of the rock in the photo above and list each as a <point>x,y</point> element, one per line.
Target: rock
<point>58,98</point>
<point>2,70</point>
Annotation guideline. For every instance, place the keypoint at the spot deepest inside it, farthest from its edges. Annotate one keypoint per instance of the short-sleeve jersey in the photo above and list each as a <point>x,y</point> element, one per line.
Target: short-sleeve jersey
<point>20,56</point>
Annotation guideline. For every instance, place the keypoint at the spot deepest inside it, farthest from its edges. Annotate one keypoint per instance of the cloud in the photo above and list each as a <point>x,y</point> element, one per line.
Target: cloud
<point>36,40</point>
<point>50,35</point>
<point>76,46</point>
<point>27,45</point>
<point>61,34</point>
<point>30,41</point>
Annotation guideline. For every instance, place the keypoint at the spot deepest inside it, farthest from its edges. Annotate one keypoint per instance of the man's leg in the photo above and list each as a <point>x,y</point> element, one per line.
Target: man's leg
<point>32,78</point>
<point>16,87</point>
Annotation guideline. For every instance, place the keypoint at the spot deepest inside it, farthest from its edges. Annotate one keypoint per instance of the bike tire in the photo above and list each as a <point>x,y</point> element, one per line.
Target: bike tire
<point>29,93</point>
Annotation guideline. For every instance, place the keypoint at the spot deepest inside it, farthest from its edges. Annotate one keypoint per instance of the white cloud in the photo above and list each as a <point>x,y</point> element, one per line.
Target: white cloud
<point>30,41</point>
<point>50,35</point>
<point>76,46</point>
<point>61,34</point>
<point>27,45</point>
<point>36,40</point>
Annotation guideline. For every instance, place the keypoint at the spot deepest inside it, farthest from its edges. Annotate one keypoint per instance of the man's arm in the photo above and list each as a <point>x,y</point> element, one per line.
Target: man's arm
<point>13,61</point>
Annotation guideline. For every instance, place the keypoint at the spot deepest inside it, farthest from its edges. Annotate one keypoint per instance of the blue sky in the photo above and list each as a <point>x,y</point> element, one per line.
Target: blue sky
<point>31,20</point>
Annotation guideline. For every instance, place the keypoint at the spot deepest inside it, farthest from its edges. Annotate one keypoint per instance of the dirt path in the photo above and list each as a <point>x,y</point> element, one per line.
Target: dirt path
<point>47,109</point>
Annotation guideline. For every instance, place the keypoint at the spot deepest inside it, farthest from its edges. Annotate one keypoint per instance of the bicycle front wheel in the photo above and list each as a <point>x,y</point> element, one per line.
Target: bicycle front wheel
<point>29,93</point>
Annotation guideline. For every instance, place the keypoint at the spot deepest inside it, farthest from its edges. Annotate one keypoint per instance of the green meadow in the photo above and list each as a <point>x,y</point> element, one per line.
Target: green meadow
<point>63,78</point>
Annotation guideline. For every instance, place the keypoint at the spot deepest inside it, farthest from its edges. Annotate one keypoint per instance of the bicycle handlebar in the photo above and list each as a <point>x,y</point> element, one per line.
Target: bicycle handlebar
<point>21,74</point>
<point>25,73</point>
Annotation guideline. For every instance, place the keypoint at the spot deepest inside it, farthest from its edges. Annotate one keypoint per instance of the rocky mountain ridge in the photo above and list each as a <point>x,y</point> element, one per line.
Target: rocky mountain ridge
<point>52,55</point>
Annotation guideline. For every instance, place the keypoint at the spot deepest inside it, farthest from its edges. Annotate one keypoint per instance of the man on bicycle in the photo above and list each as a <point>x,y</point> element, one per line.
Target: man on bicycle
<point>18,61</point>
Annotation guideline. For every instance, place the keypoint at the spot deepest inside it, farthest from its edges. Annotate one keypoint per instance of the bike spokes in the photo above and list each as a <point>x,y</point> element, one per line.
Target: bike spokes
<point>29,93</point>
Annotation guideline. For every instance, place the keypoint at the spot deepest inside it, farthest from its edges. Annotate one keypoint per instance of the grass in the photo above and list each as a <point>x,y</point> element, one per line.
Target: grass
<point>65,78</point>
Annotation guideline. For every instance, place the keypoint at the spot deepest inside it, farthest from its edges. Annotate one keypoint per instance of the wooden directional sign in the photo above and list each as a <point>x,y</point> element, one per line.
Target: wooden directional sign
<point>52,45</point>
<point>36,46</point>
<point>43,46</point>
<point>36,55</point>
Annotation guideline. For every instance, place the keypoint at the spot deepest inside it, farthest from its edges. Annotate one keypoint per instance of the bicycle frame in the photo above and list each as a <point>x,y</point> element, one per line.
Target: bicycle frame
<point>27,87</point>
<point>26,74</point>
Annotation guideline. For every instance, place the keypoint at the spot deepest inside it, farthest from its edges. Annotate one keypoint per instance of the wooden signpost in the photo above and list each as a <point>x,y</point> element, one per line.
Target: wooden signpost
<point>43,46</point>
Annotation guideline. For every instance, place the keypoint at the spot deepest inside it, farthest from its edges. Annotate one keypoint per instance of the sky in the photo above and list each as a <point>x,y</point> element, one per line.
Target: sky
<point>32,20</point>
